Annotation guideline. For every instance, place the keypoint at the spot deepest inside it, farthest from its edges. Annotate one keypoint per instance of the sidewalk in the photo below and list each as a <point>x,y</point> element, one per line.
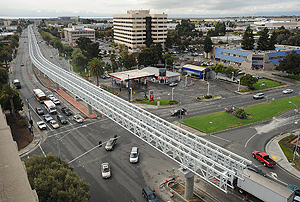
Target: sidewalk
<point>274,150</point>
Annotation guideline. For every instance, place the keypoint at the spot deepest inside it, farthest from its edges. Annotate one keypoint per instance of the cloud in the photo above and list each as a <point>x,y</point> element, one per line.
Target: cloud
<point>199,8</point>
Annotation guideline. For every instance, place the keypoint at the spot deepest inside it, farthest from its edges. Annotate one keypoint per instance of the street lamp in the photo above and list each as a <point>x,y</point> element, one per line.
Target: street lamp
<point>30,120</point>
<point>57,140</point>
<point>172,93</point>
<point>128,89</point>
<point>232,75</point>
<point>239,85</point>
<point>207,88</point>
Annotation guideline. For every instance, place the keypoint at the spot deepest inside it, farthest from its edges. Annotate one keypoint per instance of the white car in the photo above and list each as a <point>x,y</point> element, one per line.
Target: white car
<point>287,91</point>
<point>134,155</point>
<point>78,119</point>
<point>105,170</point>
<point>56,101</point>
<point>51,97</point>
<point>41,125</point>
<point>54,124</point>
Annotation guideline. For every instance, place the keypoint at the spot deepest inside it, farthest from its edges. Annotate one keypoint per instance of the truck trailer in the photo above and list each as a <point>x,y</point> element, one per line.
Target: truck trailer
<point>263,188</point>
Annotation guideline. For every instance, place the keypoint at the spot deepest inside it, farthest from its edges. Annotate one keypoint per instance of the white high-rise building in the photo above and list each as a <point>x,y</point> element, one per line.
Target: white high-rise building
<point>137,26</point>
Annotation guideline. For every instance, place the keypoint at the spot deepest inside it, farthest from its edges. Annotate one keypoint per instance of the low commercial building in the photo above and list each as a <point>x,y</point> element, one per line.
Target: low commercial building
<point>196,71</point>
<point>72,34</point>
<point>255,59</point>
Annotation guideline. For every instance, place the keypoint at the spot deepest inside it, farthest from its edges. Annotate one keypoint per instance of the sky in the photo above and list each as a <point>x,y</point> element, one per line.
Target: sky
<point>174,8</point>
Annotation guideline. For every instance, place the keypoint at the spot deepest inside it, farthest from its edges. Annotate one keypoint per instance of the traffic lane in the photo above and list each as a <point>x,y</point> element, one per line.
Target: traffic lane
<point>126,175</point>
<point>243,141</point>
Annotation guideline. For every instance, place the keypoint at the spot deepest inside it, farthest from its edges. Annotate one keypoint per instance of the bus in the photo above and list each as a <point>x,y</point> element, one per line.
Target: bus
<point>39,95</point>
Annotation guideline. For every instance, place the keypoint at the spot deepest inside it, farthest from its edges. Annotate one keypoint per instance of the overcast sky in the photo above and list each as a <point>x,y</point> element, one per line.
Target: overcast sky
<point>174,8</point>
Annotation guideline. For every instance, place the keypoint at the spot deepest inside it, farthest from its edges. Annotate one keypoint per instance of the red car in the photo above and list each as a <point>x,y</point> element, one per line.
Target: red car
<point>264,158</point>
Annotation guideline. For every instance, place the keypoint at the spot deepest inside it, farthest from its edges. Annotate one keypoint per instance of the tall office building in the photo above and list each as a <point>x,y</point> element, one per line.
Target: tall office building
<point>137,26</point>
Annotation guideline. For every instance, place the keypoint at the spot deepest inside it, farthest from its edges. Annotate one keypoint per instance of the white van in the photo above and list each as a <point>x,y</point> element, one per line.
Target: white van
<point>50,106</point>
<point>134,155</point>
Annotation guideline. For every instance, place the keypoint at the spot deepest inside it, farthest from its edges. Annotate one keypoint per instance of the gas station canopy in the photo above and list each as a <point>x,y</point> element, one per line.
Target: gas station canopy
<point>131,74</point>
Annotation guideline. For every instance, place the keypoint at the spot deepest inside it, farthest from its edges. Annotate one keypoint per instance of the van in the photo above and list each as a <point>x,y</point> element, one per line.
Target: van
<point>50,106</point>
<point>17,83</point>
<point>149,195</point>
<point>134,155</point>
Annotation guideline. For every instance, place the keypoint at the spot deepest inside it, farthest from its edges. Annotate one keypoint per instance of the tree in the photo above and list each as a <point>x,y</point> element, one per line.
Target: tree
<point>3,77</point>
<point>96,68</point>
<point>248,40</point>
<point>10,100</point>
<point>55,181</point>
<point>148,56</point>
<point>88,48</point>
<point>19,29</point>
<point>219,68</point>
<point>228,72</point>
<point>207,44</point>
<point>290,63</point>
<point>79,59</point>
<point>128,60</point>
<point>263,41</point>
<point>248,80</point>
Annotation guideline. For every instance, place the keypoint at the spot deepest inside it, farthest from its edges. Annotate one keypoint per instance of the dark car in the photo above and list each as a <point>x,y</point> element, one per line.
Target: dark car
<point>66,111</point>
<point>110,144</point>
<point>178,112</point>
<point>39,111</point>
<point>149,194</point>
<point>257,170</point>
<point>61,119</point>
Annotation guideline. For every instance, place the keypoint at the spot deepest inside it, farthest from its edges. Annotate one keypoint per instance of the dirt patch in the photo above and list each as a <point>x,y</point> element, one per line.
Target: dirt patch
<point>180,190</point>
<point>19,130</point>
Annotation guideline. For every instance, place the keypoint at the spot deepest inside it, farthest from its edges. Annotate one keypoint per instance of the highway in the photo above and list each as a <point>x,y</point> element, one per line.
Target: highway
<point>128,179</point>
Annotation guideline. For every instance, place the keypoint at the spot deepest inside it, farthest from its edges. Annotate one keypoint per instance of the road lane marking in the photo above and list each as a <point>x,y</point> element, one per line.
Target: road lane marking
<point>250,139</point>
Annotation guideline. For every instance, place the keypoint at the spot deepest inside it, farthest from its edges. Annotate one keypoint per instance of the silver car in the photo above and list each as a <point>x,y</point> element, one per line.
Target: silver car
<point>105,170</point>
<point>287,91</point>
<point>258,96</point>
<point>41,125</point>
<point>78,119</point>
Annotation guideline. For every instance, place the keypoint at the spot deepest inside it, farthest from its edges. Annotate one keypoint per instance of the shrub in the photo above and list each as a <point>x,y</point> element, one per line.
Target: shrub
<point>173,102</point>
<point>208,96</point>
<point>23,122</point>
<point>241,112</point>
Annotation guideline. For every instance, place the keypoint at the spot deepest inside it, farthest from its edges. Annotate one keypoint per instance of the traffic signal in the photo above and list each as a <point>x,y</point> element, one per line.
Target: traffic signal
<point>100,143</point>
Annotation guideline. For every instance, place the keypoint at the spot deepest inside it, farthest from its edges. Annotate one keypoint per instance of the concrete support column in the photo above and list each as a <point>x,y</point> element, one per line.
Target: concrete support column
<point>89,109</point>
<point>57,86</point>
<point>189,186</point>
<point>189,183</point>
<point>40,73</point>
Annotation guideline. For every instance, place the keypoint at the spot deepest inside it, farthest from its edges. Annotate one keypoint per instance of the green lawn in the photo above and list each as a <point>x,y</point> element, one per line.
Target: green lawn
<point>220,121</point>
<point>268,84</point>
<point>162,102</point>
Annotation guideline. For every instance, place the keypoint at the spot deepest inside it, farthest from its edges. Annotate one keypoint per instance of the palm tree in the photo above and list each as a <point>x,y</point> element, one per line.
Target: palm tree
<point>96,68</point>
<point>8,93</point>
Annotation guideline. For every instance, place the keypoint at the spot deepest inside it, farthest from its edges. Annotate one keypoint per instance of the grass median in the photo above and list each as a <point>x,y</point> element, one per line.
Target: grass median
<point>220,121</point>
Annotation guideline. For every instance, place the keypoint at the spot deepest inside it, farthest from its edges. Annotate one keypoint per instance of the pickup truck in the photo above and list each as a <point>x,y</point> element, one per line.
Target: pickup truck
<point>264,158</point>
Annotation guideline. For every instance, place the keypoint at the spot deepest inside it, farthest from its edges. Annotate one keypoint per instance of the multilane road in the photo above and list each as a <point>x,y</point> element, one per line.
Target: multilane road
<point>128,179</point>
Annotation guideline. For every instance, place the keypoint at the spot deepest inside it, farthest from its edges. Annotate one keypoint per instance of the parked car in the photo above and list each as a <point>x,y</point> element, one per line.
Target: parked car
<point>41,125</point>
<point>258,77</point>
<point>257,170</point>
<point>51,56</point>
<point>66,111</point>
<point>105,170</point>
<point>263,158</point>
<point>62,119</point>
<point>287,91</point>
<point>134,155</point>
<point>56,101</point>
<point>110,144</point>
<point>178,112</point>
<point>39,111</point>
<point>54,124</point>
<point>173,84</point>
<point>258,96</point>
<point>78,119</point>
<point>47,117</point>
<point>22,64</point>
<point>149,194</point>
<point>103,77</point>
